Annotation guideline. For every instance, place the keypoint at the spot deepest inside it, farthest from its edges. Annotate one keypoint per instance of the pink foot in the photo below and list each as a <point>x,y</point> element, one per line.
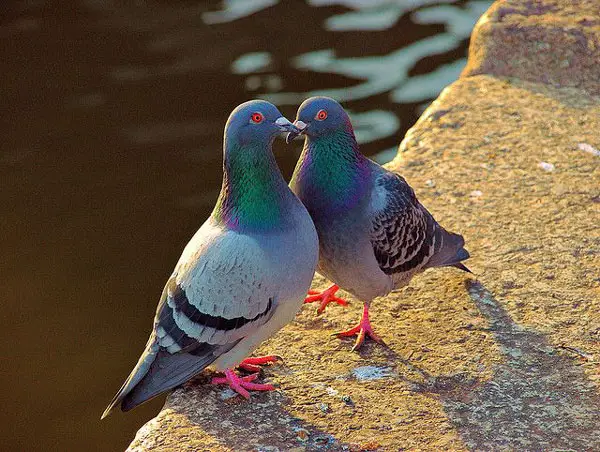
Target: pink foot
<point>253,364</point>
<point>325,297</point>
<point>363,329</point>
<point>241,384</point>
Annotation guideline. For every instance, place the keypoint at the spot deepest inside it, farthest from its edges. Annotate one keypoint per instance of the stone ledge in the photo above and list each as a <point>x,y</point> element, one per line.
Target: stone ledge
<point>508,361</point>
<point>555,42</point>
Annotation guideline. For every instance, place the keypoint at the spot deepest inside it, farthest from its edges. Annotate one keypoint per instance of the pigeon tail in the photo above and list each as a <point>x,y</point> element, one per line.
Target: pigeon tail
<point>158,371</point>
<point>462,267</point>
<point>462,255</point>
<point>137,374</point>
<point>166,372</point>
<point>452,252</point>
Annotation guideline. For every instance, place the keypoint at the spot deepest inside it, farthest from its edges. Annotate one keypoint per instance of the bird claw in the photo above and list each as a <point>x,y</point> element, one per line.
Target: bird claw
<point>325,297</point>
<point>241,385</point>
<point>363,329</point>
<point>253,364</point>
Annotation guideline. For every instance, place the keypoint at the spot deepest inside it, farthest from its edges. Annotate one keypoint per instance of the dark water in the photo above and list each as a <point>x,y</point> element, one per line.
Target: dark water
<point>111,117</point>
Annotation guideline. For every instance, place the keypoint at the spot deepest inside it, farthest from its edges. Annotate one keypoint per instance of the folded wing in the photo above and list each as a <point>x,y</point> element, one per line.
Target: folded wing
<point>404,235</point>
<point>222,290</point>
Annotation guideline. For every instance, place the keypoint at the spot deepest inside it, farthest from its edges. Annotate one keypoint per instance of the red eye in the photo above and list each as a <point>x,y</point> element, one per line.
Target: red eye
<point>257,118</point>
<point>321,115</point>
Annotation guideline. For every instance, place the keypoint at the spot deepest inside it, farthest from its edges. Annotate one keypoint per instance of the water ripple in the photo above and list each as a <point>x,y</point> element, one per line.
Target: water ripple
<point>381,73</point>
<point>427,86</point>
<point>236,9</point>
<point>373,16</point>
<point>458,21</point>
<point>251,62</point>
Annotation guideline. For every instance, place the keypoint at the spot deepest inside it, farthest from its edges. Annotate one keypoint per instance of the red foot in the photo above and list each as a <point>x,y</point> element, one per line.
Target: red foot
<point>241,384</point>
<point>326,297</point>
<point>363,329</point>
<point>253,364</point>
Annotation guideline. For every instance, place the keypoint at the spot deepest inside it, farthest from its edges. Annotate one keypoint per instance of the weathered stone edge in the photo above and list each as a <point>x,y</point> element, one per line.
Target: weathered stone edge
<point>538,42</point>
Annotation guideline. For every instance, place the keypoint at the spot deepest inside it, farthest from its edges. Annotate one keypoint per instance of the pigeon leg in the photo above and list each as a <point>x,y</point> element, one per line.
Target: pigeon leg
<point>253,364</point>
<point>241,385</point>
<point>325,297</point>
<point>363,329</point>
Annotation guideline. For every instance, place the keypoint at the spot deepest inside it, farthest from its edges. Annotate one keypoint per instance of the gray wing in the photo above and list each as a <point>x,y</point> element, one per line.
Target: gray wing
<point>404,235</point>
<point>159,370</point>
<point>221,291</point>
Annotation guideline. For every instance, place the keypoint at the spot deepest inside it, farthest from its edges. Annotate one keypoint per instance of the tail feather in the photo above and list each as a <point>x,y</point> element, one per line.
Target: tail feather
<point>462,267</point>
<point>451,252</point>
<point>158,371</point>
<point>139,371</point>
<point>166,372</point>
<point>461,255</point>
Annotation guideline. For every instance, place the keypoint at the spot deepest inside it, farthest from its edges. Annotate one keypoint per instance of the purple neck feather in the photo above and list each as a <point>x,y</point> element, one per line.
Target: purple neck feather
<point>331,174</point>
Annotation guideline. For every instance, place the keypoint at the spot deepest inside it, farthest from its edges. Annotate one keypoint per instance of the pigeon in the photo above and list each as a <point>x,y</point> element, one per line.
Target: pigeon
<point>233,286</point>
<point>374,235</point>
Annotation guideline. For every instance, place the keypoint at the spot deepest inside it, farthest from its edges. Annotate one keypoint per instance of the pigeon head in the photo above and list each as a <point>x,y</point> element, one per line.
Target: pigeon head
<point>319,117</point>
<point>255,123</point>
<point>253,190</point>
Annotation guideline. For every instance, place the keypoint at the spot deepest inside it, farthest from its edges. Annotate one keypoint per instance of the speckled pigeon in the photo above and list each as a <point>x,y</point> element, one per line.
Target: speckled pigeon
<point>241,278</point>
<point>374,235</point>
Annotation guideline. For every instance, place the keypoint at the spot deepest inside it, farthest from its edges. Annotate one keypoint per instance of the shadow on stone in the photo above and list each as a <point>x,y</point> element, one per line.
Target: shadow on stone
<point>538,399</point>
<point>261,423</point>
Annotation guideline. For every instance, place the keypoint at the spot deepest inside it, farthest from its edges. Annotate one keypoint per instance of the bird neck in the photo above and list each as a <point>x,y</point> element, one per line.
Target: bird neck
<point>253,192</point>
<point>331,172</point>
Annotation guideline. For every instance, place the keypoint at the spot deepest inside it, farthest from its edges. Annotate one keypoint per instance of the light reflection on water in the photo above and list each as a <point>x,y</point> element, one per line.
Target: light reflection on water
<point>111,159</point>
<point>377,74</point>
<point>427,86</point>
<point>236,9</point>
<point>380,73</point>
<point>372,15</point>
<point>372,75</point>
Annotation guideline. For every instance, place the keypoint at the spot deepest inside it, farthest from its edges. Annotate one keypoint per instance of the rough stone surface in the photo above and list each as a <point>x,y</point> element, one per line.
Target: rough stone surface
<point>555,42</point>
<point>506,360</point>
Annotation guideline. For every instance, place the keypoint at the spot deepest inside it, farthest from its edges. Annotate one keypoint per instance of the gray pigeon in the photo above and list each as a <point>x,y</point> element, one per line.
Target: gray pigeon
<point>241,278</point>
<point>374,235</point>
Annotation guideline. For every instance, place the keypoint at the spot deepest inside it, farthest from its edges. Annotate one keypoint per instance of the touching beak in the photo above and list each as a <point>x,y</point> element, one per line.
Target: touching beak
<point>300,127</point>
<point>285,125</point>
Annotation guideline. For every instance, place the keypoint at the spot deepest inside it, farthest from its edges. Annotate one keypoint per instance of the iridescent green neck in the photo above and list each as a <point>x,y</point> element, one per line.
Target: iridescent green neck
<point>331,172</point>
<point>253,190</point>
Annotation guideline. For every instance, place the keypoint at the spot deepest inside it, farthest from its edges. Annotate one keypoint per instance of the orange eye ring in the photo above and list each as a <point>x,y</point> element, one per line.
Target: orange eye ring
<point>257,118</point>
<point>321,115</point>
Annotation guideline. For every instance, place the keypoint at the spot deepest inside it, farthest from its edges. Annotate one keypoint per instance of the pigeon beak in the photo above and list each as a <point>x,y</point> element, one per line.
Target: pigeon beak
<point>285,125</point>
<point>301,128</point>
